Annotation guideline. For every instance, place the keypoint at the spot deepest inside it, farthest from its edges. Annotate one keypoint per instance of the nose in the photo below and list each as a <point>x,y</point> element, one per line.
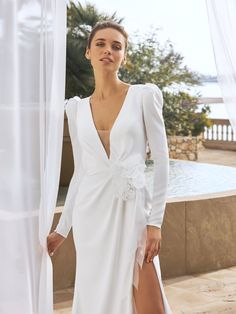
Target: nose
<point>107,50</point>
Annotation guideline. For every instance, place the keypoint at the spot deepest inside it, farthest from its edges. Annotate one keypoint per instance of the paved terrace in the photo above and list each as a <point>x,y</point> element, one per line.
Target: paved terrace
<point>219,157</point>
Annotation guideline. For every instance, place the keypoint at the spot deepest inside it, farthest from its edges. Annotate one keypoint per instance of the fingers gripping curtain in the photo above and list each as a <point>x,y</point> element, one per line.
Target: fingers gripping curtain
<point>222,21</point>
<point>32,80</point>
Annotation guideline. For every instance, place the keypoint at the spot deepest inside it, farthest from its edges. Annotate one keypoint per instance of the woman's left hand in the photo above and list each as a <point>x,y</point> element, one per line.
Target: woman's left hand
<point>153,244</point>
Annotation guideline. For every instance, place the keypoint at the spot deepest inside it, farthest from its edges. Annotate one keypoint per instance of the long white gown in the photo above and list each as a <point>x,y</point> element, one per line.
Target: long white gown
<point>108,204</point>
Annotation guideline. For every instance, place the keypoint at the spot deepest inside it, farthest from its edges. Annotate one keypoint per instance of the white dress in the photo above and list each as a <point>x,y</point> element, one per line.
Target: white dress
<point>108,204</point>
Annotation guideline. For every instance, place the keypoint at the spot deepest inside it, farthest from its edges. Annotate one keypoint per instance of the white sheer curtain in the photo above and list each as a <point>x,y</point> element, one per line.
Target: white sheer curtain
<point>32,82</point>
<point>222,21</point>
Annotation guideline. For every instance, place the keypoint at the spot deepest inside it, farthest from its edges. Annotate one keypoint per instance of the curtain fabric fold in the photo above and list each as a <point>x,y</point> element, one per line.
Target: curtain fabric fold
<point>32,84</point>
<point>222,22</point>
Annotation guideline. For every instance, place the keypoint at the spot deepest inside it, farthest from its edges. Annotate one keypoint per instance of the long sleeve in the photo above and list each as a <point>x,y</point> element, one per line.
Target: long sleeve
<point>156,137</point>
<point>65,222</point>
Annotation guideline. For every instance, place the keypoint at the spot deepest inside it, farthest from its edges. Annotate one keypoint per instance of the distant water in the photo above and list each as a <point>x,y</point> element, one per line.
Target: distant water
<point>212,89</point>
<point>209,89</point>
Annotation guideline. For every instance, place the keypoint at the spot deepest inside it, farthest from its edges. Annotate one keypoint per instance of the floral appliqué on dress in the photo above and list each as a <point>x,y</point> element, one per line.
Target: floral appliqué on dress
<point>128,176</point>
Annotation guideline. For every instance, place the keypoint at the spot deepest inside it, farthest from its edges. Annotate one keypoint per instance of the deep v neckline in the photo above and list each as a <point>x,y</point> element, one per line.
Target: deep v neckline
<point>118,117</point>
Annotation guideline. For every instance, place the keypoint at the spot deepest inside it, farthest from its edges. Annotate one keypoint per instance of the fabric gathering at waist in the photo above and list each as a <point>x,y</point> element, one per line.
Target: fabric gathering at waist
<point>127,175</point>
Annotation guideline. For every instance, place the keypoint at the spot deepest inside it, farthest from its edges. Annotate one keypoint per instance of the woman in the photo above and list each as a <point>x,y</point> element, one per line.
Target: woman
<point>116,225</point>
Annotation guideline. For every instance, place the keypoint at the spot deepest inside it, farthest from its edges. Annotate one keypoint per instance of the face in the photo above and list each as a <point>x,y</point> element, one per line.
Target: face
<point>107,50</point>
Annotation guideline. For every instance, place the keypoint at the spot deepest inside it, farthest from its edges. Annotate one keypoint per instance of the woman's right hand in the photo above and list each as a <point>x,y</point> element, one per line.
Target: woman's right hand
<point>54,240</point>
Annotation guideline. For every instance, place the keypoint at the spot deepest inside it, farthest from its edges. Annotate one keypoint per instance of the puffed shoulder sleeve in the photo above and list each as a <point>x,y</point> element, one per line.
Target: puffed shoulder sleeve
<point>156,137</point>
<point>65,222</point>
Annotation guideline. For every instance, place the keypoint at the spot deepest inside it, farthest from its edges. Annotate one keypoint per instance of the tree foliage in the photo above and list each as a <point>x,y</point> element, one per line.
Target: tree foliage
<point>149,61</point>
<point>181,115</point>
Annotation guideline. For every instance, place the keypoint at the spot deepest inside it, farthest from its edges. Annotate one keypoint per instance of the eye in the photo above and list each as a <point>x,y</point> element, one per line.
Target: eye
<point>116,47</point>
<point>100,44</point>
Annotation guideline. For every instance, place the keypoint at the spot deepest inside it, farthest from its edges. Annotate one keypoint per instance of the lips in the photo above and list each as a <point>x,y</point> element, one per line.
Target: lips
<point>106,59</point>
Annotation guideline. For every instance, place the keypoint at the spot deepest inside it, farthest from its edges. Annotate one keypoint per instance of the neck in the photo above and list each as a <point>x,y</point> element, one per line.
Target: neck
<point>106,84</point>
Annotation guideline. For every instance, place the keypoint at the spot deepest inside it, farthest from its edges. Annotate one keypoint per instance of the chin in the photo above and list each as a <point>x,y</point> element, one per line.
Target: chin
<point>107,69</point>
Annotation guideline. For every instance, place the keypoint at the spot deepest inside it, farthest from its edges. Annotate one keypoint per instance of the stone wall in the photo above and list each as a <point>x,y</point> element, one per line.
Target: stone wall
<point>185,147</point>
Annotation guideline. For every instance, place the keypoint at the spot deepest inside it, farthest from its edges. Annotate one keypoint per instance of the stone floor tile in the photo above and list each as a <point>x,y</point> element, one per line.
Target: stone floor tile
<point>62,296</point>
<point>217,156</point>
<point>233,268</point>
<point>178,279</point>
<point>211,308</point>
<point>226,276</point>
<point>62,306</point>
<point>180,299</point>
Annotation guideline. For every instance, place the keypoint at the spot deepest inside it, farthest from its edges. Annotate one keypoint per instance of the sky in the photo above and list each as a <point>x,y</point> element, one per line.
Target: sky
<point>184,22</point>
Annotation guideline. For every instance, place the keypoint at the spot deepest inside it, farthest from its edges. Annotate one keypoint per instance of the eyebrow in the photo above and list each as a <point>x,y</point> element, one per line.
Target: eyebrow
<point>114,41</point>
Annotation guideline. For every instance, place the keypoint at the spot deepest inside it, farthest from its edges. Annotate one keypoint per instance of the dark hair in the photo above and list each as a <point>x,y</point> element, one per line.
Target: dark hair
<point>107,24</point>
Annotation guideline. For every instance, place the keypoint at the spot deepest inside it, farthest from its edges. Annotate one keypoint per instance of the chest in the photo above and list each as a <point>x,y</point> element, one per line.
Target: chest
<point>126,130</point>
<point>106,112</point>
<point>123,122</point>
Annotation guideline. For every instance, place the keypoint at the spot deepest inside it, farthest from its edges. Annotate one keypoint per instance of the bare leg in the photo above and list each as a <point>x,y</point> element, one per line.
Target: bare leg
<point>148,297</point>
